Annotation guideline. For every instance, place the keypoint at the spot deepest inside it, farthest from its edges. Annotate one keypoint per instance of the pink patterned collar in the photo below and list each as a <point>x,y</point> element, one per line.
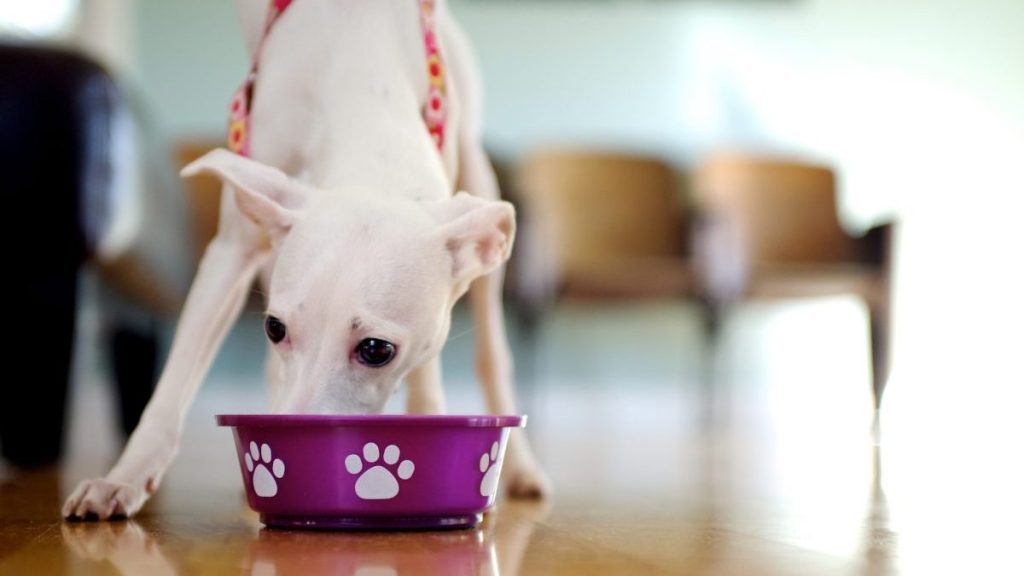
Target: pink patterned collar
<point>435,111</point>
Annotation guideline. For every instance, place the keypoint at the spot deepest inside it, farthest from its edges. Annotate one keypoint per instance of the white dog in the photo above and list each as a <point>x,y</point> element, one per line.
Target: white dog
<point>365,118</point>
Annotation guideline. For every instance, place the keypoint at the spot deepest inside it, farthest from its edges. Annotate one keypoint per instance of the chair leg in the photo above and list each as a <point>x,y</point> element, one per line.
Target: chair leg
<point>712,314</point>
<point>712,386</point>
<point>32,413</point>
<point>527,346</point>
<point>712,317</point>
<point>880,336</point>
<point>133,357</point>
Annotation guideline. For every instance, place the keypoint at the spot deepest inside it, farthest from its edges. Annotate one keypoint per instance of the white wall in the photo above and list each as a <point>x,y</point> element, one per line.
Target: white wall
<point>189,60</point>
<point>884,89</point>
<point>824,78</point>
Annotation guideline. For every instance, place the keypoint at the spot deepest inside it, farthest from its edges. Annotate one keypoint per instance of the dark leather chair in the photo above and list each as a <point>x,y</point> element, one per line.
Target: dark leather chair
<point>56,117</point>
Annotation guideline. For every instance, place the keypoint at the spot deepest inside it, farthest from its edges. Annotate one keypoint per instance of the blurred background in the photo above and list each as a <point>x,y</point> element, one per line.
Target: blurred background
<point>753,215</point>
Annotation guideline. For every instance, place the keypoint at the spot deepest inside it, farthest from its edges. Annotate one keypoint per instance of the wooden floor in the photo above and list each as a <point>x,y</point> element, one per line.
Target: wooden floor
<point>689,502</point>
<point>779,478</point>
<point>204,529</point>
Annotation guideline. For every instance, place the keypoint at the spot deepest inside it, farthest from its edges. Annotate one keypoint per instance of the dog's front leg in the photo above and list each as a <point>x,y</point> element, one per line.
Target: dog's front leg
<point>214,301</point>
<point>258,207</point>
<point>522,476</point>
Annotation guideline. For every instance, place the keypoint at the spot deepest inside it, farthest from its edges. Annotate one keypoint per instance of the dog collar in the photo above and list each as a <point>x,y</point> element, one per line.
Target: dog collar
<point>435,110</point>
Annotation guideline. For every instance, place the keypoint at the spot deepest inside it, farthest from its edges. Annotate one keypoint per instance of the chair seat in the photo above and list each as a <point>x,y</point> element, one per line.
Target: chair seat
<point>804,280</point>
<point>637,278</point>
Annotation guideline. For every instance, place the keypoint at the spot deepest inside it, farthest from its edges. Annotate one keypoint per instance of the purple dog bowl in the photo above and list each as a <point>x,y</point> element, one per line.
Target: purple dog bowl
<point>370,472</point>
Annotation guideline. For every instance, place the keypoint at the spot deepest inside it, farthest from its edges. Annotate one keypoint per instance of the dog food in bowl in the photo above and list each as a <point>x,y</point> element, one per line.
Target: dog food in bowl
<point>370,472</point>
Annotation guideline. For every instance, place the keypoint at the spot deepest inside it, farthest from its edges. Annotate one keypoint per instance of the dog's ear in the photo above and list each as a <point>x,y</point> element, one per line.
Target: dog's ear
<point>478,234</point>
<point>263,193</point>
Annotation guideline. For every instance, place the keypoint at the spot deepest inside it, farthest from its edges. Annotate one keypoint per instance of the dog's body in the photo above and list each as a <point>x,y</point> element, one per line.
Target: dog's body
<point>347,207</point>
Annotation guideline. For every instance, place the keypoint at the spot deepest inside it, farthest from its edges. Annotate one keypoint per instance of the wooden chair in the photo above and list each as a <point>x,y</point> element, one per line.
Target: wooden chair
<point>770,230</point>
<point>599,225</point>
<point>202,193</point>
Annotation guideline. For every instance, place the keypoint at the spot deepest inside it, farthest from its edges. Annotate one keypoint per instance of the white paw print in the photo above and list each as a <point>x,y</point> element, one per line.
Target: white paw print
<point>378,483</point>
<point>256,461</point>
<point>489,466</point>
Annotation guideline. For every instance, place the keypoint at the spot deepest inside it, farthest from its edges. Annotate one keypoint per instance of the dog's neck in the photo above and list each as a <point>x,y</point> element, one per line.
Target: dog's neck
<point>332,112</point>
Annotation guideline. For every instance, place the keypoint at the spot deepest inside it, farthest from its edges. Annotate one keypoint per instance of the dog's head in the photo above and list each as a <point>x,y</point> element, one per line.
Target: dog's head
<point>363,284</point>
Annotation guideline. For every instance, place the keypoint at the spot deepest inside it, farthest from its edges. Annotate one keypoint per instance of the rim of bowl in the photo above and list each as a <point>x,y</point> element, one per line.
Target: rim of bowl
<point>337,420</point>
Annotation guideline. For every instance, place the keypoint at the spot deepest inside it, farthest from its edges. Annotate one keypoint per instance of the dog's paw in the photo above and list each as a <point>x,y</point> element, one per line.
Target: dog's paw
<point>102,499</point>
<point>528,482</point>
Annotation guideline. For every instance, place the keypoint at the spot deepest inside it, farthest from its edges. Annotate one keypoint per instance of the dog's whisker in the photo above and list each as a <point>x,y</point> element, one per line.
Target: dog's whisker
<point>459,335</point>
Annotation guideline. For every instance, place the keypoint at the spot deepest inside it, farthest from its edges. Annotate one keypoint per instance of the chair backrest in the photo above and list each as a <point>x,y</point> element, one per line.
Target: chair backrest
<point>203,194</point>
<point>782,211</point>
<point>596,209</point>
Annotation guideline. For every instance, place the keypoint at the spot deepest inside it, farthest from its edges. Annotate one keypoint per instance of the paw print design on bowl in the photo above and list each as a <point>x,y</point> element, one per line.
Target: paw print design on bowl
<point>378,482</point>
<point>265,469</point>
<point>490,467</point>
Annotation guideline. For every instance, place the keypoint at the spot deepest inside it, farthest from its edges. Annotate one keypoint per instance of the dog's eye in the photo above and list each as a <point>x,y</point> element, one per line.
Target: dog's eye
<point>374,352</point>
<point>275,329</point>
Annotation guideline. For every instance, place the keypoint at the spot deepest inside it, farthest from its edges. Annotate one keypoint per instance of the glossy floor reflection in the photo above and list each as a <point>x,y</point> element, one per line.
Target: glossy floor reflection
<point>129,547</point>
<point>784,478</point>
<point>674,504</point>
<point>704,504</point>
